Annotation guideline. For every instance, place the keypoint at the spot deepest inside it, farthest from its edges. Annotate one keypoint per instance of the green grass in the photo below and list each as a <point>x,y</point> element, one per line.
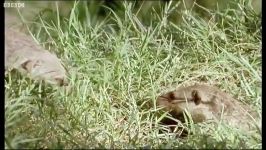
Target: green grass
<point>119,66</point>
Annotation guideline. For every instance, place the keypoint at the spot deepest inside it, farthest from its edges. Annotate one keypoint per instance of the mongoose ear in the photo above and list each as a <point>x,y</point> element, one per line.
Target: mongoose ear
<point>27,65</point>
<point>196,97</point>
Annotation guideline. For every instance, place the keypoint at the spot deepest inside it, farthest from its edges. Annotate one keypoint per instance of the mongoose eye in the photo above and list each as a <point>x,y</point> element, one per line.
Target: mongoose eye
<point>61,82</point>
<point>171,95</point>
<point>195,97</point>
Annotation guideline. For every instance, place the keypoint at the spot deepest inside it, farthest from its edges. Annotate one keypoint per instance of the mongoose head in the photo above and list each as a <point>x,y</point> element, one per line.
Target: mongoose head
<point>46,67</point>
<point>200,105</point>
<point>204,103</point>
<point>28,57</point>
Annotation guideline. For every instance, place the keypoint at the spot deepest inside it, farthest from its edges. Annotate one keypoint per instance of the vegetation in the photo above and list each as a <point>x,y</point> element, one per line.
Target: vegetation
<point>117,67</point>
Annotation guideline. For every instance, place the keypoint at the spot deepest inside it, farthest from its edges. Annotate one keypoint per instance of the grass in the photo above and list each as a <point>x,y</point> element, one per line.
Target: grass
<point>119,66</point>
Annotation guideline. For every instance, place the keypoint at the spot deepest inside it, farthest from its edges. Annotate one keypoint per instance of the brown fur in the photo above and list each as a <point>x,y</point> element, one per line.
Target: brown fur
<point>204,103</point>
<point>28,57</point>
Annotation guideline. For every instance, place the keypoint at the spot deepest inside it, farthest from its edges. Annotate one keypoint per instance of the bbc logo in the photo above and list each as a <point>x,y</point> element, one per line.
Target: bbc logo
<point>13,5</point>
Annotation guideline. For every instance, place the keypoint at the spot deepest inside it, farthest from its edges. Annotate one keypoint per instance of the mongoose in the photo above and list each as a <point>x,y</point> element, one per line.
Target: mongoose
<point>25,55</point>
<point>204,103</point>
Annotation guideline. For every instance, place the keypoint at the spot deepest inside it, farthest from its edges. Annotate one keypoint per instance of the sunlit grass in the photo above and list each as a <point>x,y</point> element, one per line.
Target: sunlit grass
<point>116,71</point>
